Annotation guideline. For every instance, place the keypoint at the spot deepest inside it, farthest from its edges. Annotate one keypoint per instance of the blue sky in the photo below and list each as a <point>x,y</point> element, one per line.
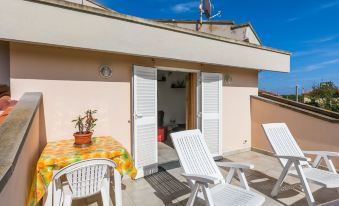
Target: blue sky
<point>307,28</point>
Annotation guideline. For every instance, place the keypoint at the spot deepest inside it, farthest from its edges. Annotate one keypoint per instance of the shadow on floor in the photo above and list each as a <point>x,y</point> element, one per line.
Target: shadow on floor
<point>264,184</point>
<point>323,197</point>
<point>170,165</point>
<point>167,187</point>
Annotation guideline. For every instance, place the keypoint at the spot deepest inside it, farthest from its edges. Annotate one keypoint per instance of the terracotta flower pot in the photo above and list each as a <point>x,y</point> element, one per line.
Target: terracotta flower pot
<point>83,139</point>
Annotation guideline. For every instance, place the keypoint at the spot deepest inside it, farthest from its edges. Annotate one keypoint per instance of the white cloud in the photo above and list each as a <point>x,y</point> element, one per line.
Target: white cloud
<point>328,51</point>
<point>186,7</point>
<point>329,5</point>
<point>293,19</point>
<point>322,39</point>
<point>317,66</point>
<point>314,11</point>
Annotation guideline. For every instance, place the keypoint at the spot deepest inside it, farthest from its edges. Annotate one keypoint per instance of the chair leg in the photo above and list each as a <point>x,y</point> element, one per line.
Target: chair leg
<point>207,195</point>
<point>306,187</point>
<point>330,165</point>
<point>117,188</point>
<point>67,200</point>
<point>316,161</point>
<point>105,192</point>
<point>57,193</point>
<point>230,176</point>
<point>281,179</point>
<point>243,180</point>
<point>193,195</point>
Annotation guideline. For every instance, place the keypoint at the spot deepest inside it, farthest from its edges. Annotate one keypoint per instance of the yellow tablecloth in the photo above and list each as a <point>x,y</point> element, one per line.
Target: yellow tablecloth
<point>59,154</point>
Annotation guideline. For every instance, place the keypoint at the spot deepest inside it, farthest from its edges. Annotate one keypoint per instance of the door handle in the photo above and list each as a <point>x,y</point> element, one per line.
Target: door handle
<point>138,116</point>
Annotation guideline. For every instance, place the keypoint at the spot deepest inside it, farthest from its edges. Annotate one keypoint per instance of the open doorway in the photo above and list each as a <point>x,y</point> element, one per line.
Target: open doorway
<point>176,93</point>
<point>200,105</point>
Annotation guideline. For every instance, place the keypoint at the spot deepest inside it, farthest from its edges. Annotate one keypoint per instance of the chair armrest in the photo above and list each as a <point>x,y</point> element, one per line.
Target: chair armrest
<point>323,153</point>
<point>294,158</point>
<point>327,158</point>
<point>201,178</point>
<point>237,165</point>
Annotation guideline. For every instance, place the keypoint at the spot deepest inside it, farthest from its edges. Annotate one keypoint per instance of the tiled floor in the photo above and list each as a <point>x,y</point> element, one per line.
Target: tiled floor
<point>168,187</point>
<point>166,153</point>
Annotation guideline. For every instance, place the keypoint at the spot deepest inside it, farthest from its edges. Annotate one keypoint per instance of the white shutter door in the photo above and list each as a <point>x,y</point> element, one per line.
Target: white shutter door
<point>145,119</point>
<point>211,99</point>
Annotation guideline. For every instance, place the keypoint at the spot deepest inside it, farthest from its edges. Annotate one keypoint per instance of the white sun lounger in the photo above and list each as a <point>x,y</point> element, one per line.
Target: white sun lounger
<point>295,163</point>
<point>200,170</point>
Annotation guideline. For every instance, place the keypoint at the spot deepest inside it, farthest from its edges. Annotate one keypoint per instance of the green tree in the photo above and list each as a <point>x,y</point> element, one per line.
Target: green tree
<point>325,95</point>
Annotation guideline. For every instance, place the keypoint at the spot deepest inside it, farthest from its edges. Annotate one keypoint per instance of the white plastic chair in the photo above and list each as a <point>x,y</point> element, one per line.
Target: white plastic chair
<point>296,164</point>
<point>200,170</point>
<point>85,178</point>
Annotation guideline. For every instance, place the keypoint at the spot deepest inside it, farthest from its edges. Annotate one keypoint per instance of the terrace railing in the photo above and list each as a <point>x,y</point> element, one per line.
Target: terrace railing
<point>21,140</point>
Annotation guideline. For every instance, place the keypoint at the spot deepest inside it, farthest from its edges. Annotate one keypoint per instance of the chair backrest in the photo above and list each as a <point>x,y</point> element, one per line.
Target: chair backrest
<point>282,141</point>
<point>85,177</point>
<point>194,156</point>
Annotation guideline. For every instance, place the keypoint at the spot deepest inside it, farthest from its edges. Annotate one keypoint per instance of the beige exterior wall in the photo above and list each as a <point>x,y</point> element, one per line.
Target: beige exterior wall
<point>4,63</point>
<point>70,83</point>
<point>236,117</point>
<point>18,186</point>
<point>311,133</point>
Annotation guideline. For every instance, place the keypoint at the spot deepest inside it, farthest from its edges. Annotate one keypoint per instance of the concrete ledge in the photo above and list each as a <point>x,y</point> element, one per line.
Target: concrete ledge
<point>302,105</point>
<point>13,133</point>
<point>299,107</point>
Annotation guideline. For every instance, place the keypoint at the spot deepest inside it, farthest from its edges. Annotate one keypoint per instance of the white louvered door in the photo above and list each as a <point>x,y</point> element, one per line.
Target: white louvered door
<point>145,120</point>
<point>211,111</point>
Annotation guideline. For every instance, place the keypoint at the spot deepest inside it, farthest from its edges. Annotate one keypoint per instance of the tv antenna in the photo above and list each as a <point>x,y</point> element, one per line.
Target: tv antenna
<point>218,14</point>
<point>206,9</point>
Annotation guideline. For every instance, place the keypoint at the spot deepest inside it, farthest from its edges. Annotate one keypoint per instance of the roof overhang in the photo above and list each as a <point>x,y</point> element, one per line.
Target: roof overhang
<point>77,26</point>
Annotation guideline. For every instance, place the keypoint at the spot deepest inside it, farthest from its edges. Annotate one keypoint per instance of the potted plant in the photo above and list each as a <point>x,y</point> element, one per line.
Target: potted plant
<point>84,125</point>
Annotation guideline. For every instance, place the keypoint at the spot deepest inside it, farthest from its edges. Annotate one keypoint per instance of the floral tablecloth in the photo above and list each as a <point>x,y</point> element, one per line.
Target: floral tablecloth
<point>59,154</point>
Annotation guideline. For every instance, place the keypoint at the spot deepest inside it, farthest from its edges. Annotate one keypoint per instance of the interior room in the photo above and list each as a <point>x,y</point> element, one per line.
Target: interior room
<point>172,95</point>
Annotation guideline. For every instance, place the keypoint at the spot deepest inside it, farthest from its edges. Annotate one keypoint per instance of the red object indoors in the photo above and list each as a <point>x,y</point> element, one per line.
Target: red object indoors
<point>161,134</point>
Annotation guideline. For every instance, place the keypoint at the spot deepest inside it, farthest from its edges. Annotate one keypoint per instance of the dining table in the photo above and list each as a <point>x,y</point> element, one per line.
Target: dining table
<point>59,154</point>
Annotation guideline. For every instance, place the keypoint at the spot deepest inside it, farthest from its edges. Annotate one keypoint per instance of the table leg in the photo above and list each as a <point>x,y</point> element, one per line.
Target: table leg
<point>117,188</point>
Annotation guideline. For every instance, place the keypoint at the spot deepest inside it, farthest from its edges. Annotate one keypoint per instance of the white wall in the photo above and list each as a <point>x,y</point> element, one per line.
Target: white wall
<point>24,21</point>
<point>251,36</point>
<point>172,101</point>
<point>85,2</point>
<point>4,63</point>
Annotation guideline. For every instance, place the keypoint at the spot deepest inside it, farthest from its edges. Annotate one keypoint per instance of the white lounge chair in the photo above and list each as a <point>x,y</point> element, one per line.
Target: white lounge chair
<point>295,163</point>
<point>85,178</point>
<point>200,170</point>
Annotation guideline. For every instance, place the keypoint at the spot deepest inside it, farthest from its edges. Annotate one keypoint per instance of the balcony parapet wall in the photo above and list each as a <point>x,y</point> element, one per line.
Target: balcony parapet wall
<point>313,128</point>
<point>21,141</point>
<point>300,107</point>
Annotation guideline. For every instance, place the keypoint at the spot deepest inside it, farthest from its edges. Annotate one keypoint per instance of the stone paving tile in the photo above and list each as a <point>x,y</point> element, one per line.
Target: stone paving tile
<point>271,202</point>
<point>166,153</point>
